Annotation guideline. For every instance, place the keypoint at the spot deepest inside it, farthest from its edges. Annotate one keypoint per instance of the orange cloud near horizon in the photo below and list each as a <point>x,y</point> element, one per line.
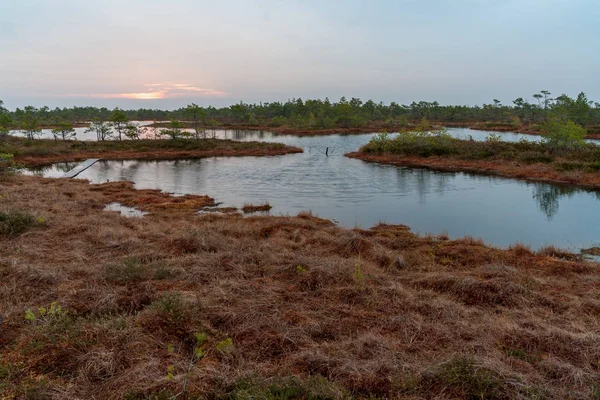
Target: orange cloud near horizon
<point>156,91</point>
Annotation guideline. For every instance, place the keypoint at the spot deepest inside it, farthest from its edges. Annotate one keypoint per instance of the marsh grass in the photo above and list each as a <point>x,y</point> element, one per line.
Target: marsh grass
<point>583,157</point>
<point>40,152</point>
<point>462,377</point>
<point>14,223</point>
<point>574,164</point>
<point>420,317</point>
<point>285,388</point>
<point>252,208</point>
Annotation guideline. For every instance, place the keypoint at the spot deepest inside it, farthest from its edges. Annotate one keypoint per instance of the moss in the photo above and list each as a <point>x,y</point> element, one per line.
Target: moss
<point>286,388</point>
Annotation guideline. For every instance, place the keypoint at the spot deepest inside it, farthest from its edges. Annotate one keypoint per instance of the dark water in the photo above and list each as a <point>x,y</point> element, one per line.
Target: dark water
<point>356,193</point>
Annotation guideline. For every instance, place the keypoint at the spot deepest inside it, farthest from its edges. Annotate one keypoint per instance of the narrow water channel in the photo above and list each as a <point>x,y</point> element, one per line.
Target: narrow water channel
<point>355,193</point>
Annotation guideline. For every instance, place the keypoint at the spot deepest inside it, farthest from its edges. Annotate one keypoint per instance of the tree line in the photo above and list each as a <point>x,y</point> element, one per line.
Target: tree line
<point>301,114</point>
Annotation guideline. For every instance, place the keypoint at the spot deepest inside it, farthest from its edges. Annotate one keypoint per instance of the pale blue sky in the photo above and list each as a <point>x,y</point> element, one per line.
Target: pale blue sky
<point>118,52</point>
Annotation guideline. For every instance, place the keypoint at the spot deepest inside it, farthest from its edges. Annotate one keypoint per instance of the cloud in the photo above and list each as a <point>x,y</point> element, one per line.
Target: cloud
<point>157,91</point>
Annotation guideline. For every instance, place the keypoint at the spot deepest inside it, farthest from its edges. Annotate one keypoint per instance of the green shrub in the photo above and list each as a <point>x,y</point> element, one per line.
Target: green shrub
<point>462,378</point>
<point>226,346</point>
<point>7,163</point>
<point>129,271</point>
<point>380,142</point>
<point>566,134</point>
<point>278,121</point>
<point>421,143</point>
<point>14,223</point>
<point>533,157</point>
<point>171,306</point>
<point>313,388</point>
<point>493,137</point>
<point>570,156</point>
<point>593,167</point>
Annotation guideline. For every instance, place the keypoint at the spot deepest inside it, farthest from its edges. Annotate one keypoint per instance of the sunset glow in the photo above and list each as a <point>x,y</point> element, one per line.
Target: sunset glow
<point>142,96</point>
<point>157,91</point>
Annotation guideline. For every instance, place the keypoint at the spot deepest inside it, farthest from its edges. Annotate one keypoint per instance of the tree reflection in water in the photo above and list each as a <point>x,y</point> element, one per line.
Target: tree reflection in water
<point>548,196</point>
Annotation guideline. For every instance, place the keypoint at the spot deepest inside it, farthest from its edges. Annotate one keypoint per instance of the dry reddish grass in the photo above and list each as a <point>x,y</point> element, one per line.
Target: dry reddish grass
<point>511,169</point>
<point>152,200</point>
<point>33,153</point>
<point>311,309</point>
<point>252,208</point>
<point>33,161</point>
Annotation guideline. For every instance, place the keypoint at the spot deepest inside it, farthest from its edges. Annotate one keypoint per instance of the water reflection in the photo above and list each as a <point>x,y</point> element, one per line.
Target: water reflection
<point>548,197</point>
<point>355,193</point>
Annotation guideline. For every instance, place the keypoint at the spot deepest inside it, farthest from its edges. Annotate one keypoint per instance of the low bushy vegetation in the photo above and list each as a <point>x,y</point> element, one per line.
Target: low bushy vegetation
<point>558,157</point>
<point>180,305</point>
<point>563,148</point>
<point>7,163</point>
<point>14,223</point>
<point>37,152</point>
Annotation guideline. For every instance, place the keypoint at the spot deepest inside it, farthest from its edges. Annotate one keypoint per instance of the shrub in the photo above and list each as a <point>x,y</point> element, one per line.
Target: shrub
<point>226,346</point>
<point>423,125</point>
<point>462,378</point>
<point>564,134</point>
<point>278,121</point>
<point>283,388</point>
<point>380,142</point>
<point>515,122</point>
<point>403,121</point>
<point>171,306</point>
<point>535,157</point>
<point>7,163</point>
<point>493,137</point>
<point>564,155</point>
<point>175,131</point>
<point>420,143</point>
<point>14,223</point>
<point>129,271</point>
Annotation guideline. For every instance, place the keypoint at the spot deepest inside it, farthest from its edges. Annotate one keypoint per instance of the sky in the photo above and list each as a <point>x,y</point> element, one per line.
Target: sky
<point>168,53</point>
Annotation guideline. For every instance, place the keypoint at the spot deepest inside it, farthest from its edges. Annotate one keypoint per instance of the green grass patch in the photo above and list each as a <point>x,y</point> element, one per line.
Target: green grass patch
<point>286,388</point>
<point>14,223</point>
<point>439,144</point>
<point>463,378</point>
<point>136,269</point>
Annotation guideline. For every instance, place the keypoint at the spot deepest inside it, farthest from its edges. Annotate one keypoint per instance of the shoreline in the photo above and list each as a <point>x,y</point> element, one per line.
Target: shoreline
<point>297,131</point>
<point>43,152</point>
<point>40,161</point>
<point>526,129</point>
<point>537,172</point>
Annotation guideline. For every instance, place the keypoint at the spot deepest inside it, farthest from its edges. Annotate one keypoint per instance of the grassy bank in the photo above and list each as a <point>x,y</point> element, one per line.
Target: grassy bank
<point>539,161</point>
<point>592,131</point>
<point>373,126</point>
<point>41,152</point>
<point>96,305</point>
